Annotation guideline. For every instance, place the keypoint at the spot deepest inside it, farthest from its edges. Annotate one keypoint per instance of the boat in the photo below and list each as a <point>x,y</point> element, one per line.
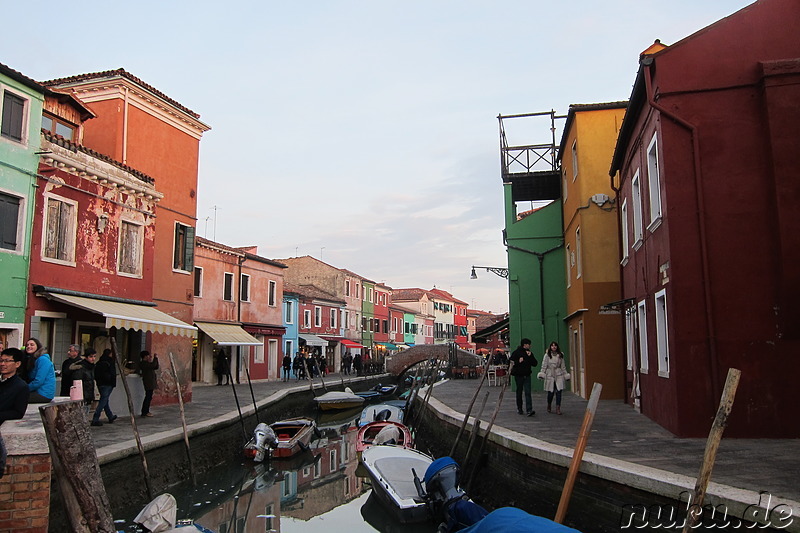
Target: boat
<point>293,436</point>
<point>381,411</point>
<point>392,470</point>
<point>516,520</point>
<point>369,395</point>
<point>339,400</point>
<point>385,390</point>
<point>258,447</point>
<point>381,433</point>
<point>160,515</point>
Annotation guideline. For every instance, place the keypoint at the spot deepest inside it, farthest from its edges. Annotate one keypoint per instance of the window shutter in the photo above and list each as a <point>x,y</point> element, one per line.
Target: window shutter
<point>13,114</point>
<point>189,249</point>
<point>9,217</point>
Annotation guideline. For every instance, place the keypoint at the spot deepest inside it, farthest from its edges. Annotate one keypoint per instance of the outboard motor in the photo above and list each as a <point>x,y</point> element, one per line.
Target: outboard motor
<point>448,502</point>
<point>383,415</point>
<point>263,439</point>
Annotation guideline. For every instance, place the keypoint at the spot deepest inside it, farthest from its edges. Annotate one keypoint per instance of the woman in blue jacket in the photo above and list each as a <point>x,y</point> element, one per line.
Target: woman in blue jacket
<point>41,373</point>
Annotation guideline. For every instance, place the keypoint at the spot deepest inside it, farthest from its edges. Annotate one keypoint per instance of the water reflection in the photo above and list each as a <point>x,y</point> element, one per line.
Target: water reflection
<point>317,488</point>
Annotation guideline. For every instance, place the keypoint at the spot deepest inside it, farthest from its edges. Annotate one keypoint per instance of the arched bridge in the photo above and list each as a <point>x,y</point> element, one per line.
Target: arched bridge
<point>402,361</point>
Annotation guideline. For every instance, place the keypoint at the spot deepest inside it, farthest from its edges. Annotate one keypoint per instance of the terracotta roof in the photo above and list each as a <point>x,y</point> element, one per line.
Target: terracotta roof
<point>408,294</point>
<point>312,291</point>
<point>69,145</point>
<point>124,74</point>
<point>22,78</point>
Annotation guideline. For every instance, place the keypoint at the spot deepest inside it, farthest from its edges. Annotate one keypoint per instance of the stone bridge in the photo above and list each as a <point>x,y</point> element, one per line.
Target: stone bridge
<point>402,361</point>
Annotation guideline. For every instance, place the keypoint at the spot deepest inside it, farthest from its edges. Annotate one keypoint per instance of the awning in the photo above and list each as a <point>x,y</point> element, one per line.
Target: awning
<point>387,345</point>
<point>228,334</point>
<point>350,344</point>
<point>482,335</point>
<point>127,316</point>
<point>313,340</point>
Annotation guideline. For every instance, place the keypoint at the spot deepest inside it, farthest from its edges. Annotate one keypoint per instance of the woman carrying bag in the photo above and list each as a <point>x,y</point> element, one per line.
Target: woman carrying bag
<point>554,373</point>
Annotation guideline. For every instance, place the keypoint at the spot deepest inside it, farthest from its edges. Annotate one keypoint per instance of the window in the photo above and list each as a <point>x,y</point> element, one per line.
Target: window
<point>333,318</point>
<point>654,183</point>
<point>358,291</point>
<point>347,287</point>
<point>198,282</point>
<point>637,210</point>
<point>332,464</point>
<point>394,324</point>
<point>272,348</point>
<point>641,317</point>
<point>15,117</point>
<point>370,296</point>
<point>574,159</point>
<point>273,287</point>
<point>227,288</point>
<point>568,251</point>
<point>579,261</point>
<point>244,288</point>
<point>345,319</point>
<point>289,312</point>
<point>630,337</point>
<point>59,234</point>
<point>288,347</point>
<point>662,334</point>
<point>58,126</point>
<point>317,316</point>
<point>624,230</point>
<point>130,248</point>
<point>183,251</point>
<point>10,222</point>
<point>306,318</point>
<point>385,326</point>
<point>257,351</point>
<point>269,516</point>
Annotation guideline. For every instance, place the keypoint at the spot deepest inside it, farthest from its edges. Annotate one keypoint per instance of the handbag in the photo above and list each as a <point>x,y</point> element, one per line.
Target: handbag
<point>540,375</point>
<point>567,376</point>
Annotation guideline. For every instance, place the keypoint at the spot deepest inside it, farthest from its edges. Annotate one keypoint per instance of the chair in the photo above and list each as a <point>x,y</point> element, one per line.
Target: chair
<point>491,376</point>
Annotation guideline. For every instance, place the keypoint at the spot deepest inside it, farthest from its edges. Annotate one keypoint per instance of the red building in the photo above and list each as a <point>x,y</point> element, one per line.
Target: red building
<point>143,128</point>
<point>381,313</point>
<point>707,162</point>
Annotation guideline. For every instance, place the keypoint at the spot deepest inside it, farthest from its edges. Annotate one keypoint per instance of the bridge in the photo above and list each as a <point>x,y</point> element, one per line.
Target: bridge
<point>402,361</point>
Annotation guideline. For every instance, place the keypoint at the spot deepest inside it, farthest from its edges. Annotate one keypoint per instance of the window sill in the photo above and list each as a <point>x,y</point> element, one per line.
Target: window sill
<point>663,374</point>
<point>638,244</point>
<point>58,261</point>
<point>179,271</point>
<point>644,371</point>
<point>129,275</point>
<point>624,261</point>
<point>654,224</point>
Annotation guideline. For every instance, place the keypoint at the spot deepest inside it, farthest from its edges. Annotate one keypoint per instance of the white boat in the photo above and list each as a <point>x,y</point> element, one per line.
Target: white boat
<point>381,412</point>
<point>339,400</point>
<point>392,470</point>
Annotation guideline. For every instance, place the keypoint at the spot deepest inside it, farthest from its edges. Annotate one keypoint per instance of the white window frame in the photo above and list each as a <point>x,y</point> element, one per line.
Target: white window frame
<point>20,247</point>
<point>333,313</point>
<point>26,115</point>
<point>624,231</point>
<point>578,251</point>
<point>188,258</point>
<point>641,319</point>
<point>225,277</point>
<point>394,324</point>
<point>345,318</point>
<point>662,333</point>
<point>288,347</point>
<point>347,287</point>
<point>71,229</point>
<point>198,284</point>
<point>258,351</point>
<point>630,338</point>
<point>272,290</point>
<point>288,311</point>
<point>654,183</point>
<point>370,296</point>
<point>568,253</point>
<point>272,354</point>
<point>244,288</point>
<point>306,318</point>
<point>636,193</point>
<point>139,248</point>
<point>317,316</point>
<point>574,159</point>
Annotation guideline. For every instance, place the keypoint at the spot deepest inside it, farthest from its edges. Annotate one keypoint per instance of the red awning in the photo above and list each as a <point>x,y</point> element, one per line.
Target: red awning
<point>350,344</point>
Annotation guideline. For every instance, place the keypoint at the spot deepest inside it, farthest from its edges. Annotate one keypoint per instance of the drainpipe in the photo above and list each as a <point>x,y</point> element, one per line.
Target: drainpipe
<point>125,128</point>
<point>700,198</point>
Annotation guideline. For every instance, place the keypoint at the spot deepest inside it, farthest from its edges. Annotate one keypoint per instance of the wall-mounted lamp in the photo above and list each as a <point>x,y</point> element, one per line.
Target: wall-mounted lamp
<point>500,271</point>
<point>102,222</point>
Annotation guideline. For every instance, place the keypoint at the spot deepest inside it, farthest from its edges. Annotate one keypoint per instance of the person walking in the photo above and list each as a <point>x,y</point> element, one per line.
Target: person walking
<point>105,375</point>
<point>148,365</point>
<point>523,362</point>
<point>287,366</point>
<point>83,370</point>
<point>222,367</point>
<point>357,363</point>
<point>73,356</point>
<point>554,372</point>
<point>41,373</point>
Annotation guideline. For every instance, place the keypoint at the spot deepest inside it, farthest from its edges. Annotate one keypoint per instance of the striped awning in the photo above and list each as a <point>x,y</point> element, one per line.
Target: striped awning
<point>128,316</point>
<point>228,334</point>
<point>313,340</point>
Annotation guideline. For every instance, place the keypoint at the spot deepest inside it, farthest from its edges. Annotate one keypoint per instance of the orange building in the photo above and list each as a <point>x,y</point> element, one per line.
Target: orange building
<point>592,250</point>
<point>145,129</point>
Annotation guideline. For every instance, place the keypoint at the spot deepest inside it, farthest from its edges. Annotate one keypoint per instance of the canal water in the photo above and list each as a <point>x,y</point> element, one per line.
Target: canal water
<point>319,490</point>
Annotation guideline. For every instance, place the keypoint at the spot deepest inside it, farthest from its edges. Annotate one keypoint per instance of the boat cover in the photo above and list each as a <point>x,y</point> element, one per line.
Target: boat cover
<point>512,519</point>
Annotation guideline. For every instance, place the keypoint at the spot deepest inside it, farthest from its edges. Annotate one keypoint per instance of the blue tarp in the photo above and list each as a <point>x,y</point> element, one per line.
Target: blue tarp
<point>516,520</point>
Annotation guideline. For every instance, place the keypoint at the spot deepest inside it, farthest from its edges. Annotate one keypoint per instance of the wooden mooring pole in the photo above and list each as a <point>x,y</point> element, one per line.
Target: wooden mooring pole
<point>77,471</point>
<point>577,455</point>
<point>469,409</point>
<point>712,444</point>
<point>183,419</point>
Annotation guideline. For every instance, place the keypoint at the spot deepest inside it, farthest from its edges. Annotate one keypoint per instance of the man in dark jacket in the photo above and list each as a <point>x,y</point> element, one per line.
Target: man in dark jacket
<point>13,394</point>
<point>523,363</point>
<point>149,365</point>
<point>105,375</point>
<point>73,356</point>
<point>83,370</point>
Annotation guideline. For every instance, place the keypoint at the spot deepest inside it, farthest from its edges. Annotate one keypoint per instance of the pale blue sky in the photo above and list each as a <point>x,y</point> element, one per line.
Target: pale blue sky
<point>361,131</point>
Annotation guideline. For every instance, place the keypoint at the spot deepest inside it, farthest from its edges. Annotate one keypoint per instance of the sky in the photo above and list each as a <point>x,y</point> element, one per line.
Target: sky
<point>363,132</point>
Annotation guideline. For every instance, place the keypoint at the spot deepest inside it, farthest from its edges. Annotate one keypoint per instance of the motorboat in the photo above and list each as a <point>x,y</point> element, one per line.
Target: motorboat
<point>293,436</point>
<point>160,516</point>
<point>381,433</point>
<point>369,395</point>
<point>516,520</point>
<point>259,446</point>
<point>381,411</point>
<point>393,472</point>
<point>339,400</point>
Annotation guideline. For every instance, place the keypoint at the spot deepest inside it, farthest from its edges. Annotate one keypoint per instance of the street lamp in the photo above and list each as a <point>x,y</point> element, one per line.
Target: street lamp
<point>500,271</point>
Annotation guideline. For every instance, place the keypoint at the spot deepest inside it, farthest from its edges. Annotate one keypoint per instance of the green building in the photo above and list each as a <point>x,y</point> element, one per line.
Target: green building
<point>21,101</point>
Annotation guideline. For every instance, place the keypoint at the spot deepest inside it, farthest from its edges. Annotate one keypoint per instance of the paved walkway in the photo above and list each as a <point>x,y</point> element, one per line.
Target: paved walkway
<point>618,432</point>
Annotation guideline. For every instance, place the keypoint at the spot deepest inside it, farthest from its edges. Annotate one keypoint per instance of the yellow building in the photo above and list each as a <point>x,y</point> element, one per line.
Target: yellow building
<point>592,248</point>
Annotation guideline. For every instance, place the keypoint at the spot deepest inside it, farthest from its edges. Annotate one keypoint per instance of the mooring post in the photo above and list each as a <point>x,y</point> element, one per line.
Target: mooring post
<point>471,404</point>
<point>183,418</point>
